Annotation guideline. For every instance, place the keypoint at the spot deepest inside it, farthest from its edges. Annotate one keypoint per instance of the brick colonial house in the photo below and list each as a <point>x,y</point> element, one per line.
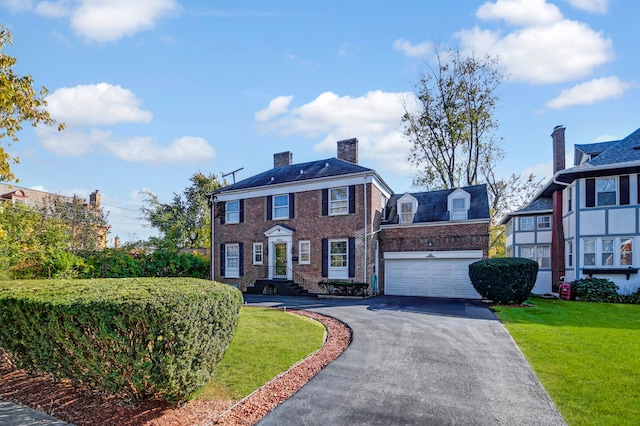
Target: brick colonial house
<point>333,219</point>
<point>586,219</point>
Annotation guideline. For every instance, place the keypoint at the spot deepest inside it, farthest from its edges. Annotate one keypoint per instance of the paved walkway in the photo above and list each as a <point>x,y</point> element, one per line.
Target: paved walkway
<point>417,361</point>
<point>413,361</point>
<point>12,414</point>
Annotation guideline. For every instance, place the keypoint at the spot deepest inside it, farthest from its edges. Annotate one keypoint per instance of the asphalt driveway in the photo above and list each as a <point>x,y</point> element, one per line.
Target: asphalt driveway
<point>416,361</point>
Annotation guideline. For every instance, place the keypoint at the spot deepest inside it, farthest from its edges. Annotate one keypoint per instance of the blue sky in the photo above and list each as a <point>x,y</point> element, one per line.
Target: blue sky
<point>152,91</point>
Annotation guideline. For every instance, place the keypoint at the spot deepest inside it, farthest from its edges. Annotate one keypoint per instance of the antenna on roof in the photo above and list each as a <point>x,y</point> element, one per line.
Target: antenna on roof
<point>224,175</point>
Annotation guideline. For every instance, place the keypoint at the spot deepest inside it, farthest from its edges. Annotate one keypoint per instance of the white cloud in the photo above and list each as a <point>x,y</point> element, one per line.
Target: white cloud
<point>346,49</point>
<point>520,12</point>
<point>186,150</point>
<point>544,48</point>
<point>53,9</point>
<point>590,93</point>
<point>277,106</point>
<point>71,143</point>
<point>417,50</point>
<point>595,6</point>
<point>111,20</point>
<point>94,104</point>
<point>373,118</point>
<point>17,5</point>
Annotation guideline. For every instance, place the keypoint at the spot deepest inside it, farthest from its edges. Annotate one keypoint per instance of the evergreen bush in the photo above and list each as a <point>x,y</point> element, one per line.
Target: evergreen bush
<point>504,280</point>
<point>132,337</point>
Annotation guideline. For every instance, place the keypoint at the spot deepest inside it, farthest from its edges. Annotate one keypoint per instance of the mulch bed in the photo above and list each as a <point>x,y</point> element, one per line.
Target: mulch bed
<point>82,406</point>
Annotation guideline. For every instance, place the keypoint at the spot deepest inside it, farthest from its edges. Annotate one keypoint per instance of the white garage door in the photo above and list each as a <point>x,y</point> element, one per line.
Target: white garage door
<point>430,277</point>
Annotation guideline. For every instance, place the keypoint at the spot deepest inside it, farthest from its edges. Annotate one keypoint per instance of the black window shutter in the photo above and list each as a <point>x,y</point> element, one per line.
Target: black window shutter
<point>222,260</point>
<point>325,257</point>
<point>590,200</point>
<point>241,260</point>
<point>292,205</point>
<point>624,190</point>
<point>352,257</point>
<point>223,211</point>
<point>325,202</point>
<point>639,189</point>
<point>269,207</point>
<point>241,208</point>
<point>352,199</point>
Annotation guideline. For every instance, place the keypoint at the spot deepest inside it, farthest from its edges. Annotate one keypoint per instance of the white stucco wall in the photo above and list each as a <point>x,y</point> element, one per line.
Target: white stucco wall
<point>622,221</point>
<point>592,222</point>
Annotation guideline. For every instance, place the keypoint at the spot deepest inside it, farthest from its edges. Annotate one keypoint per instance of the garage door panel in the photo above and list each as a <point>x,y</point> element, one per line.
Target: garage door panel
<point>429,277</point>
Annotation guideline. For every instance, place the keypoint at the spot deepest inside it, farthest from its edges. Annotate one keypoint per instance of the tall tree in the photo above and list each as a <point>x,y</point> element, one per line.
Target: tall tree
<point>452,128</point>
<point>87,223</point>
<point>19,102</point>
<point>185,221</point>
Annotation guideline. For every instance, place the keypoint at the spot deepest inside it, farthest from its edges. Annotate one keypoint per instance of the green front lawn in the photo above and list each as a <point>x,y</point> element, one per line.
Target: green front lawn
<point>266,343</point>
<point>587,356</point>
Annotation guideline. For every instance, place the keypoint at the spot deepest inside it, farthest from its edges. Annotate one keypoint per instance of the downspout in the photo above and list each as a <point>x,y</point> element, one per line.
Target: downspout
<point>213,224</point>
<point>365,230</point>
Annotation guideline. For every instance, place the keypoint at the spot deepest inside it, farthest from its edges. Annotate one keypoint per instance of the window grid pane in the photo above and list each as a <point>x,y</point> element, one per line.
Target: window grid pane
<point>589,256</point>
<point>606,191</point>
<point>305,252</point>
<point>338,201</point>
<point>232,211</point>
<point>281,207</point>
<point>607,251</point>
<point>626,251</point>
<point>526,224</point>
<point>338,255</point>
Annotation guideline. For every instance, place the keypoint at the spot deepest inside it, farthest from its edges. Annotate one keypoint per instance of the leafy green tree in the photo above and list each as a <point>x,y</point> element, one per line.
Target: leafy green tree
<point>19,102</point>
<point>87,223</point>
<point>33,245</point>
<point>185,222</point>
<point>452,134</point>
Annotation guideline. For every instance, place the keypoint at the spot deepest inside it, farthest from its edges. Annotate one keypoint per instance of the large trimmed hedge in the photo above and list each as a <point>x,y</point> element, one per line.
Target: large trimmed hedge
<point>135,337</point>
<point>504,280</point>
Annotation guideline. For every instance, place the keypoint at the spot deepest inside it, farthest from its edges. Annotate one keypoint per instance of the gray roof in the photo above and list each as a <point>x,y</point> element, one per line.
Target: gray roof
<point>297,173</point>
<point>432,205</point>
<point>627,149</point>
<point>539,205</point>
<point>591,149</point>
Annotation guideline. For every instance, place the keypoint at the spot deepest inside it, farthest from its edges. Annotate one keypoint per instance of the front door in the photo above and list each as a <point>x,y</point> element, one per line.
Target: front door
<point>280,251</point>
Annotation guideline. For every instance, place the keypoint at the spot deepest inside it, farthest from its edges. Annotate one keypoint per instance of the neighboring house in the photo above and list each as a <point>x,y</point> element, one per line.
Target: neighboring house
<point>593,210</point>
<point>40,200</point>
<point>333,219</point>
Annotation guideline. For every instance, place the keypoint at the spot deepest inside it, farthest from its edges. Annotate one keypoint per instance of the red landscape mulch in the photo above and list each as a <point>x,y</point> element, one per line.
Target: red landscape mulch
<point>84,407</point>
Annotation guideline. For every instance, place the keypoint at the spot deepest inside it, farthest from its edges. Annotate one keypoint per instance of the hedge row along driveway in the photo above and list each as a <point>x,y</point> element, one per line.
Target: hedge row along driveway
<point>137,337</point>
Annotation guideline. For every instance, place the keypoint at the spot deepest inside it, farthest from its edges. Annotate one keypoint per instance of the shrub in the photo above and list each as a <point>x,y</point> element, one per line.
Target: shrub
<point>504,280</point>
<point>110,263</point>
<point>167,263</point>
<point>133,337</point>
<point>594,290</point>
<point>344,288</point>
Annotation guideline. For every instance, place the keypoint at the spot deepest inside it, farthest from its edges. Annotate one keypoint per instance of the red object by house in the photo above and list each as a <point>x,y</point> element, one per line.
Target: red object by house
<point>565,291</point>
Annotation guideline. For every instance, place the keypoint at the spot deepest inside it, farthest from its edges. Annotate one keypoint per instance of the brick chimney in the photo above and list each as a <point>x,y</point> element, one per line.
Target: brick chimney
<point>94,199</point>
<point>348,150</point>
<point>558,148</point>
<point>282,159</point>
<point>557,231</point>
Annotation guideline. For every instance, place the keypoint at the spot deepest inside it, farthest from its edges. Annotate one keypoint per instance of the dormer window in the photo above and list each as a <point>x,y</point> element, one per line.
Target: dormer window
<point>407,206</point>
<point>406,212</point>
<point>459,202</point>
<point>458,209</point>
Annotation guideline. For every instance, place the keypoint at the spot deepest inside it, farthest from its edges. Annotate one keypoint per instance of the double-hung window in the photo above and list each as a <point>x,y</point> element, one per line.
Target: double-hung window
<point>258,254</point>
<point>626,251</point>
<point>305,253</point>
<point>544,222</point>
<point>406,212</point>
<point>232,261</point>
<point>541,254</point>
<point>589,252</point>
<point>526,224</point>
<point>606,252</point>
<point>339,201</point>
<point>606,191</point>
<point>570,253</point>
<point>458,209</point>
<point>281,206</point>
<point>338,259</point>
<point>232,212</point>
